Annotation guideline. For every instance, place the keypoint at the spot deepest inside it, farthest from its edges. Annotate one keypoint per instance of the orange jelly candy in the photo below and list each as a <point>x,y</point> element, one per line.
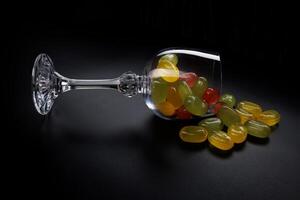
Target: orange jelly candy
<point>166,108</point>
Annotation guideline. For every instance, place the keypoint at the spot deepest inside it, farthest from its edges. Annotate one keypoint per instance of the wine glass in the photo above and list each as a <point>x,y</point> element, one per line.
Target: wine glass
<point>177,84</point>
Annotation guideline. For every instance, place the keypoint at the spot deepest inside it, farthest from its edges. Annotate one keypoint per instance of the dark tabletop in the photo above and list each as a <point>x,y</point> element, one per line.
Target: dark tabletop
<point>102,145</point>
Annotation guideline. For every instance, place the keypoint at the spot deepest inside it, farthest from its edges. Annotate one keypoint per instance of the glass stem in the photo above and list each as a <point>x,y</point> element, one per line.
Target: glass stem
<point>129,84</point>
<point>80,84</point>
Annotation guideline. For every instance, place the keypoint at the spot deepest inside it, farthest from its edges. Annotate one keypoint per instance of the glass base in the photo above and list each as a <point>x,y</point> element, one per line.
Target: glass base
<point>43,84</point>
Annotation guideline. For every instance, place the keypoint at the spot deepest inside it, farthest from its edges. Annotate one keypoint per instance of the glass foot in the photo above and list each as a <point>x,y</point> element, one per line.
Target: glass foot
<point>43,84</point>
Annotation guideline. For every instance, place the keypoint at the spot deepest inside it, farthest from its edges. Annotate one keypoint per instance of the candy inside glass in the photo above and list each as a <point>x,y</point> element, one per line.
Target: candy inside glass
<point>177,84</point>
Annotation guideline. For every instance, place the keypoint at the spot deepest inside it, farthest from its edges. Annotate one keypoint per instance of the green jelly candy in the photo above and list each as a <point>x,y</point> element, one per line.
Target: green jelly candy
<point>159,91</point>
<point>228,99</point>
<point>228,116</point>
<point>258,129</point>
<point>211,124</point>
<point>195,105</point>
<point>200,87</point>
<point>183,90</point>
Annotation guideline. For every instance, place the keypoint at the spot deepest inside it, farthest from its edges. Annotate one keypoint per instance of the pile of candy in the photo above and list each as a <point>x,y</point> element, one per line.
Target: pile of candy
<point>184,95</point>
<point>178,94</point>
<point>246,118</point>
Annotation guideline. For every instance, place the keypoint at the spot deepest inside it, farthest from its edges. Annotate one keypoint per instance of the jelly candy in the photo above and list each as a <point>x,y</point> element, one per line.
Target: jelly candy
<point>258,129</point>
<point>159,91</point>
<point>166,108</point>
<point>200,87</point>
<point>182,113</point>
<point>193,134</point>
<point>211,124</point>
<point>237,133</point>
<point>183,90</point>
<point>174,98</point>
<point>195,105</point>
<point>244,115</point>
<point>220,140</point>
<point>170,57</point>
<point>269,117</point>
<point>228,116</point>
<point>190,78</point>
<point>251,107</point>
<point>228,99</point>
<point>216,107</point>
<point>168,71</point>
<point>211,96</point>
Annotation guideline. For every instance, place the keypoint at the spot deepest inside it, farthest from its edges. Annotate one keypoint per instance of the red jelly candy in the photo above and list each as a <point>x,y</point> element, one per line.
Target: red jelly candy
<point>182,113</point>
<point>190,78</point>
<point>216,107</point>
<point>211,96</point>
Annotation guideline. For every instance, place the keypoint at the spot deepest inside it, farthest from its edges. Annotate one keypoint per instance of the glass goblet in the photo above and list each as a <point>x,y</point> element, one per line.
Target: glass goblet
<point>177,84</point>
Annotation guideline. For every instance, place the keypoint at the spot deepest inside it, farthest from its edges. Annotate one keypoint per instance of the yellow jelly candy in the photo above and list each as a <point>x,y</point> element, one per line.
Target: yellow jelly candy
<point>220,140</point>
<point>166,108</point>
<point>170,57</point>
<point>193,134</point>
<point>174,98</point>
<point>250,107</point>
<point>269,117</point>
<point>244,115</point>
<point>168,71</point>
<point>237,133</point>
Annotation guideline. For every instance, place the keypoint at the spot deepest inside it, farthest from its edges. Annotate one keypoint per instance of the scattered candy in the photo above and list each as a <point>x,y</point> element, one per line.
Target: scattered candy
<point>228,116</point>
<point>211,124</point>
<point>228,99</point>
<point>269,117</point>
<point>193,134</point>
<point>211,96</point>
<point>244,115</point>
<point>220,140</point>
<point>237,133</point>
<point>258,129</point>
<point>250,107</point>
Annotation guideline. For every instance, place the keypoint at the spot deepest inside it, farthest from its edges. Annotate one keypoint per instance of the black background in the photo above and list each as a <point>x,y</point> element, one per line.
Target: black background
<point>101,145</point>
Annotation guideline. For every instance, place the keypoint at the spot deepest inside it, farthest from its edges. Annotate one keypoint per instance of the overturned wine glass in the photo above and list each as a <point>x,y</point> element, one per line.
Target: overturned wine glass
<point>178,84</point>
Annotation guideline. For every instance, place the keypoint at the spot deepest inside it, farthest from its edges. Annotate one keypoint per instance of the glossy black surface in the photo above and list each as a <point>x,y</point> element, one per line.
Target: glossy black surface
<point>102,145</point>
